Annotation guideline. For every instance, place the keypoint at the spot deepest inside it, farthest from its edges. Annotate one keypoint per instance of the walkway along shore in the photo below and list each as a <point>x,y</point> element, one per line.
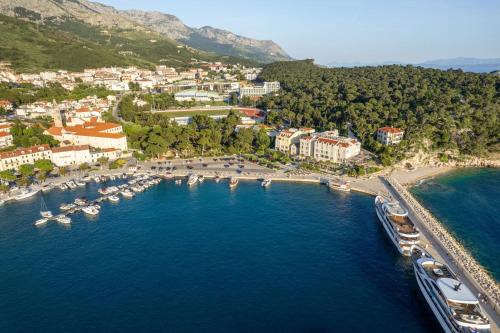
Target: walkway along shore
<point>455,252</point>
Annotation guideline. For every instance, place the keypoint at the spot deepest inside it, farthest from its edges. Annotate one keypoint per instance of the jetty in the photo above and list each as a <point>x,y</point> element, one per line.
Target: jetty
<point>450,249</point>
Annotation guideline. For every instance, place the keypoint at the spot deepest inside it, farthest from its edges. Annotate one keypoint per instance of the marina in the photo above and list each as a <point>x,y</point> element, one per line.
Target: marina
<point>396,220</point>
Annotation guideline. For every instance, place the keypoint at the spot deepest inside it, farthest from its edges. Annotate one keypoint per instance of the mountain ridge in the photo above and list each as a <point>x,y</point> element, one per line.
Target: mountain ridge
<point>206,38</point>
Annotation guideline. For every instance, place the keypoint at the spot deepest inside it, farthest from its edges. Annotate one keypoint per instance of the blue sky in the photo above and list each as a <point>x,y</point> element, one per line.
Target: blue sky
<point>350,31</point>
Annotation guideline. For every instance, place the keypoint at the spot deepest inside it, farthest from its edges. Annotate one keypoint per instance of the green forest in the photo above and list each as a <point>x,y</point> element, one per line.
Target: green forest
<point>437,109</point>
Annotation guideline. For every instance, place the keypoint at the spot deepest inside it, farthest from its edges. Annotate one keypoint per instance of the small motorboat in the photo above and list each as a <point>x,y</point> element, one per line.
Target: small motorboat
<point>79,183</point>
<point>63,187</point>
<point>65,207</point>
<point>114,198</point>
<point>81,201</point>
<point>41,221</point>
<point>233,182</point>
<point>127,194</point>
<point>265,183</point>
<point>63,219</point>
<point>90,210</point>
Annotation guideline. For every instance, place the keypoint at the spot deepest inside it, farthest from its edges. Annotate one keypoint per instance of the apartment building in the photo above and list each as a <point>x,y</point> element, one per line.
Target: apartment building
<point>259,90</point>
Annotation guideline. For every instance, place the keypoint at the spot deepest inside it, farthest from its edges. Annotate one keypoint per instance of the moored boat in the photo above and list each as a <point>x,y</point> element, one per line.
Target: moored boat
<point>81,201</point>
<point>452,302</point>
<point>201,179</point>
<point>44,211</point>
<point>342,186</point>
<point>62,186</point>
<point>127,194</point>
<point>114,198</point>
<point>65,206</point>
<point>90,210</point>
<point>265,183</point>
<point>192,180</point>
<point>233,182</point>
<point>25,194</point>
<point>41,221</point>
<point>397,224</point>
<point>63,219</point>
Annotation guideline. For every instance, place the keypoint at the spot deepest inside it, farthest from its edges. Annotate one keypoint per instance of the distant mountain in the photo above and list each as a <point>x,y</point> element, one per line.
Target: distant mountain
<point>209,38</point>
<point>206,39</point>
<point>466,64</point>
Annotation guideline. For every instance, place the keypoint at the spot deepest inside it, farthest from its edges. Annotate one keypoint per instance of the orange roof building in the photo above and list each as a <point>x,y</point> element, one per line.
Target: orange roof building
<point>95,134</point>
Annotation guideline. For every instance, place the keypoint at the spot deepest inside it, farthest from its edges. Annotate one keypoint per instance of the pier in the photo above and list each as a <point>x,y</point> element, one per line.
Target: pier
<point>451,251</point>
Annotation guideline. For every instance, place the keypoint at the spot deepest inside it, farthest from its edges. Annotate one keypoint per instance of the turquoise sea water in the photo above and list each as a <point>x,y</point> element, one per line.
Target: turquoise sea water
<point>290,258</point>
<point>468,203</point>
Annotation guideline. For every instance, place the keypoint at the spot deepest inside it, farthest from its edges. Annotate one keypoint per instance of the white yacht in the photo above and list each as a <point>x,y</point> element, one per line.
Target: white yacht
<point>90,210</point>
<point>41,221</point>
<point>114,198</point>
<point>127,193</point>
<point>65,207</point>
<point>44,211</point>
<point>192,180</point>
<point>454,305</point>
<point>342,186</point>
<point>103,191</point>
<point>81,201</point>
<point>63,187</point>
<point>265,183</point>
<point>233,182</point>
<point>397,224</point>
<point>201,179</point>
<point>63,219</point>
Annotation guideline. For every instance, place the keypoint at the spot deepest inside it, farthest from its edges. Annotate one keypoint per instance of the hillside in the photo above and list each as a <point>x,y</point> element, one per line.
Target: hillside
<point>207,39</point>
<point>73,45</point>
<point>439,110</point>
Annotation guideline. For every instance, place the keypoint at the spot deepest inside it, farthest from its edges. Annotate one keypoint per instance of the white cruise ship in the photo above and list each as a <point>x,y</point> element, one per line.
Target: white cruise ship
<point>397,224</point>
<point>453,304</point>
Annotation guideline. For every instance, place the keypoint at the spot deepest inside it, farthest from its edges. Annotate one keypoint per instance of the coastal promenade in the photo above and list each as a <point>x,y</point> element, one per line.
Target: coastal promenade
<point>451,251</point>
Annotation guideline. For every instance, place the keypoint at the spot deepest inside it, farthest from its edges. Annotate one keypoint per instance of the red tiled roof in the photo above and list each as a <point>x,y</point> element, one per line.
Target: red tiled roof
<point>3,126</point>
<point>24,151</point>
<point>57,131</point>
<point>328,141</point>
<point>2,134</point>
<point>390,129</point>
<point>70,148</point>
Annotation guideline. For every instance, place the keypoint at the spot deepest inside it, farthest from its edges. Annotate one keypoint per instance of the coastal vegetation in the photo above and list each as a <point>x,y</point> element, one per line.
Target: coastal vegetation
<point>156,135</point>
<point>439,110</point>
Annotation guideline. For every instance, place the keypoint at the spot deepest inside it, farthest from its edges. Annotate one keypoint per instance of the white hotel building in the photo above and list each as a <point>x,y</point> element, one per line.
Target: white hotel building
<point>260,90</point>
<point>60,156</point>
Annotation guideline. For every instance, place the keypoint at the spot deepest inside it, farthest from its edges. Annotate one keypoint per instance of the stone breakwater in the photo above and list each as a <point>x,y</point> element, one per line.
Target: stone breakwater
<point>460,256</point>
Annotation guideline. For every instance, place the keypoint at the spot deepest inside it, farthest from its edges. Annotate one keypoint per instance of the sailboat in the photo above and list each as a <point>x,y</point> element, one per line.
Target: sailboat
<point>44,211</point>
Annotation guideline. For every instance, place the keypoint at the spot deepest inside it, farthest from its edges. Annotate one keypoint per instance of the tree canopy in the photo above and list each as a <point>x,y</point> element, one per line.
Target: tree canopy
<point>437,109</point>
